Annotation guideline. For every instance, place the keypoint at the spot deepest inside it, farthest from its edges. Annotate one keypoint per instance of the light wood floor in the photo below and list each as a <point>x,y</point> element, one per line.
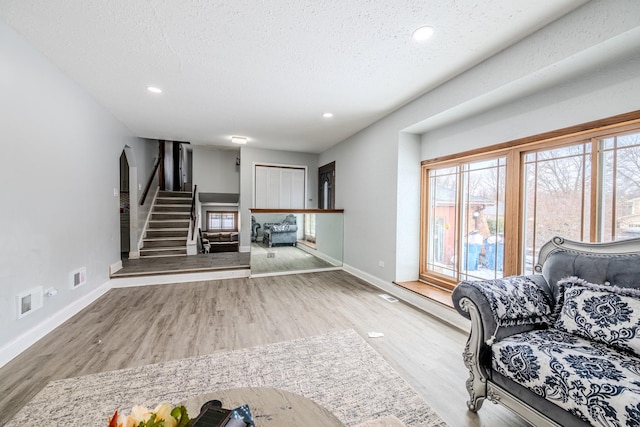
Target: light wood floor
<point>136,326</point>
<point>283,258</point>
<point>183,264</point>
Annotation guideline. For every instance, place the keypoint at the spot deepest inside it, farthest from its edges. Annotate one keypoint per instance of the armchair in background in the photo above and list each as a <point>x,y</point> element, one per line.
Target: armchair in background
<point>285,232</point>
<point>254,229</point>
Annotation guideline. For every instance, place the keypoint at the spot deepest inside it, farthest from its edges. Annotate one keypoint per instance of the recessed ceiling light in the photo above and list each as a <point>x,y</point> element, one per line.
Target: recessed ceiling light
<point>239,140</point>
<point>422,34</point>
<point>327,115</point>
<point>154,89</point>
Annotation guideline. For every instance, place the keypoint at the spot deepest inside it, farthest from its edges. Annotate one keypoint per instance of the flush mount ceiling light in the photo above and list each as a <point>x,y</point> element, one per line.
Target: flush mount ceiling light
<point>327,115</point>
<point>422,34</point>
<point>239,140</point>
<point>154,89</point>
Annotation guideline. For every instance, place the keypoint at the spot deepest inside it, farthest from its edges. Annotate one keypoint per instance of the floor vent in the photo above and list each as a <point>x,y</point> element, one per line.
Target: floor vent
<point>29,301</point>
<point>388,298</point>
<point>271,254</point>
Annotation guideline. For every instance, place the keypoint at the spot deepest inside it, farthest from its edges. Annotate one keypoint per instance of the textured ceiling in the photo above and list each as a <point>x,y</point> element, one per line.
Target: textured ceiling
<point>267,69</point>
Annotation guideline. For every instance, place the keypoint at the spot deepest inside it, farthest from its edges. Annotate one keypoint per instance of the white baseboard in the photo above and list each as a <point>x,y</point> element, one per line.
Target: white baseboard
<point>116,266</point>
<point>433,308</point>
<point>19,344</point>
<point>318,254</point>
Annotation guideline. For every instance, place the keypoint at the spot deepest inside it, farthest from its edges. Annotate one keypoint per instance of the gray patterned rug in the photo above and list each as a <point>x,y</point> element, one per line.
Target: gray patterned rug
<point>339,371</point>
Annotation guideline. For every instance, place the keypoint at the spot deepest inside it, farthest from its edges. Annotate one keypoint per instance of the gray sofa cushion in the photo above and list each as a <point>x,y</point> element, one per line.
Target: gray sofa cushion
<point>616,270</point>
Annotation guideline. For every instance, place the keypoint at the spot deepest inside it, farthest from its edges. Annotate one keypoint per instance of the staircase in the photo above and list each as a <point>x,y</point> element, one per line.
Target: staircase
<point>168,227</point>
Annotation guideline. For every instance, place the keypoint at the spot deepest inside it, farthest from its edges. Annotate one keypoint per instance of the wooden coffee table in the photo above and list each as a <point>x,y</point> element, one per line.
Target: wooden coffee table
<point>269,407</point>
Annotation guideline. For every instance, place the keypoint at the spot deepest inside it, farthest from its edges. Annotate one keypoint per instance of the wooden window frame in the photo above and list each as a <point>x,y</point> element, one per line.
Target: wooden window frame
<point>514,151</point>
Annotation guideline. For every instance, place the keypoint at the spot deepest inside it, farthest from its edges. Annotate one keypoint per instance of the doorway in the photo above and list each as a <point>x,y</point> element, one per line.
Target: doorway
<point>125,206</point>
<point>327,186</point>
<point>175,166</point>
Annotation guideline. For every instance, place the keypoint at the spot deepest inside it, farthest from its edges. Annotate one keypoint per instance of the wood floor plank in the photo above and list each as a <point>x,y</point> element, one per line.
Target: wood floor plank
<point>135,326</point>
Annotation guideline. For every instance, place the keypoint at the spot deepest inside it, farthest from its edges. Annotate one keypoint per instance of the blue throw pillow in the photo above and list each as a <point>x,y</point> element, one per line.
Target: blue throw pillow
<point>605,314</point>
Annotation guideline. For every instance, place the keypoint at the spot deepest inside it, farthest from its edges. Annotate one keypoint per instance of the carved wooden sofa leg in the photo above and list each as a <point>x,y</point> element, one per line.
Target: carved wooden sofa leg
<point>477,382</point>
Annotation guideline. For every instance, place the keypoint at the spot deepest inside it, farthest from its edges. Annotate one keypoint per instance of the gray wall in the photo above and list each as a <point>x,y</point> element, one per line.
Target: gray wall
<point>249,156</point>
<point>61,167</point>
<point>595,94</point>
<point>581,67</point>
<point>366,184</point>
<point>215,170</point>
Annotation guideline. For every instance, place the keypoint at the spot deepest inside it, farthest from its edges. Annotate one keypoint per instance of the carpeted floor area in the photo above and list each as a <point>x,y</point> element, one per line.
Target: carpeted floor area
<point>339,371</point>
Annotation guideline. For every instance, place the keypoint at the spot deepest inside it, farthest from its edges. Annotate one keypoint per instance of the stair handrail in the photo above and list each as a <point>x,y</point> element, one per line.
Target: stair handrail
<point>149,181</point>
<point>193,211</point>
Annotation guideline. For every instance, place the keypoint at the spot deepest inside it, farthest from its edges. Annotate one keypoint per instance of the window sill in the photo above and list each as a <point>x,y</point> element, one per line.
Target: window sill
<point>435,293</point>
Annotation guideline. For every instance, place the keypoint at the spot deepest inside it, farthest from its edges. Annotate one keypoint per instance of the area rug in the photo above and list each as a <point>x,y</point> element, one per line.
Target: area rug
<point>339,371</point>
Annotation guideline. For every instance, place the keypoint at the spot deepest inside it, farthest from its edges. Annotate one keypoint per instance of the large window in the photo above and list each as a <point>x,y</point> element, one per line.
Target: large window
<point>222,221</point>
<point>620,195</point>
<point>466,220</point>
<point>557,189</point>
<point>486,214</point>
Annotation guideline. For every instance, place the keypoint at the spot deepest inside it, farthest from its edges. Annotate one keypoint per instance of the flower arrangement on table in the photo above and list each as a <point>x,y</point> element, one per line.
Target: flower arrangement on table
<point>164,415</point>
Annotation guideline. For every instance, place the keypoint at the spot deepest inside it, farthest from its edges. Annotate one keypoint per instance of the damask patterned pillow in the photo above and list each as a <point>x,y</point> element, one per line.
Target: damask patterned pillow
<point>601,313</point>
<point>515,300</point>
<point>280,227</point>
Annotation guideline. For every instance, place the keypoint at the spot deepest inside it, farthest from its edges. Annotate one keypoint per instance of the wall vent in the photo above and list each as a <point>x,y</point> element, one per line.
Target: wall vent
<point>29,301</point>
<point>78,277</point>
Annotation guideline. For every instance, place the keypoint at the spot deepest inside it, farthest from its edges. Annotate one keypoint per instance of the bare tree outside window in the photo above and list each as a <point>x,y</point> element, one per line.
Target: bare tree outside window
<point>556,203</point>
<point>620,197</point>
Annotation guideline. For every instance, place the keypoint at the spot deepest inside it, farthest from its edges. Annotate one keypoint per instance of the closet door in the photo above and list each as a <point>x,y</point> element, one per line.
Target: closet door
<point>279,187</point>
<point>297,189</point>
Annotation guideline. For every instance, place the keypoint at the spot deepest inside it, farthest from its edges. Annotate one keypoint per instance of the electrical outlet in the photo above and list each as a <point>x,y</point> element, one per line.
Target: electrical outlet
<point>381,264</point>
<point>115,192</point>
